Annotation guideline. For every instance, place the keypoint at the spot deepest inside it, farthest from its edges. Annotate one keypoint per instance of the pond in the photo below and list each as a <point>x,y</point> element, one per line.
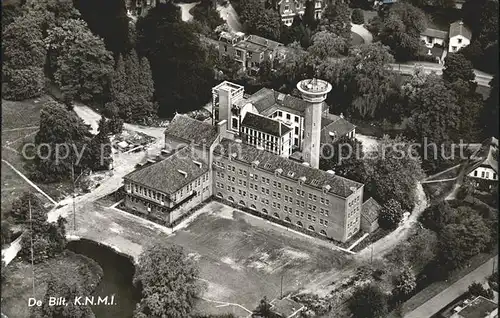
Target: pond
<point>117,280</point>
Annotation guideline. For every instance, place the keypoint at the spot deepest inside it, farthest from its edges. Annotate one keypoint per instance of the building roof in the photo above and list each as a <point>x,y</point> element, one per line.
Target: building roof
<point>333,124</point>
<point>257,43</point>
<point>438,34</point>
<point>265,124</point>
<point>486,155</point>
<point>480,307</point>
<point>191,130</point>
<point>171,174</point>
<point>370,210</point>
<point>270,162</point>
<point>459,28</point>
<point>267,100</point>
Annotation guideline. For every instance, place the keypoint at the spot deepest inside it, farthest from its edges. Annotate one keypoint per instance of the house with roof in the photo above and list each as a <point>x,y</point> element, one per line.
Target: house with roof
<point>483,169</point>
<point>459,36</point>
<point>431,37</point>
<point>286,308</point>
<point>480,307</point>
<point>289,9</point>
<point>369,215</point>
<point>249,50</point>
<point>284,108</point>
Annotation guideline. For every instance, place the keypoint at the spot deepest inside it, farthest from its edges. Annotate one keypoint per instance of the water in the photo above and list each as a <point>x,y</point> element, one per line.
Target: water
<point>117,280</point>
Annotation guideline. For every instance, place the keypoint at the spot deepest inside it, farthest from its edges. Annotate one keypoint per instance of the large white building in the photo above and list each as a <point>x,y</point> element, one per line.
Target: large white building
<point>244,158</point>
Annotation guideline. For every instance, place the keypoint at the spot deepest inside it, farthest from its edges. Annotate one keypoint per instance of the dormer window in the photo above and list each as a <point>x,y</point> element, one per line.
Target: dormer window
<point>302,180</point>
<point>326,189</point>
<point>291,174</point>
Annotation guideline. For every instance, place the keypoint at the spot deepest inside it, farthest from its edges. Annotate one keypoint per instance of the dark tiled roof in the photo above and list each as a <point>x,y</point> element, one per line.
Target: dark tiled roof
<point>435,33</point>
<point>164,176</point>
<point>458,28</point>
<point>266,99</point>
<point>315,178</point>
<point>264,124</point>
<point>486,155</point>
<point>191,130</point>
<point>335,124</point>
<point>370,210</point>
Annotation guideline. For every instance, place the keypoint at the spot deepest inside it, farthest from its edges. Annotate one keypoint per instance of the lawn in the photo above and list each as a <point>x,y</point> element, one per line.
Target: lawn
<point>241,258</point>
<point>244,258</point>
<point>18,286</point>
<point>357,39</point>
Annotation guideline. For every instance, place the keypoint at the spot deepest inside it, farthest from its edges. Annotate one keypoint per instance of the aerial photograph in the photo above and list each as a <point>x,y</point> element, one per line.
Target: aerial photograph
<point>250,158</point>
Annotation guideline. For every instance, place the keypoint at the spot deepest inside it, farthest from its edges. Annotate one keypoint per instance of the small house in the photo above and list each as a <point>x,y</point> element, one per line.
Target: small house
<point>460,36</point>
<point>432,37</point>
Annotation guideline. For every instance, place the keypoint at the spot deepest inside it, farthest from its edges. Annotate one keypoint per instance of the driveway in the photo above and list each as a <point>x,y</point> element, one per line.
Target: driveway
<point>228,14</point>
<point>185,8</point>
<point>360,30</point>
<point>445,297</point>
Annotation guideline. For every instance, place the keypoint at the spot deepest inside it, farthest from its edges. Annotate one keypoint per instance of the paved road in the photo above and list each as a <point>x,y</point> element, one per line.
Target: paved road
<point>229,15</point>
<point>482,78</point>
<point>360,30</point>
<point>445,297</point>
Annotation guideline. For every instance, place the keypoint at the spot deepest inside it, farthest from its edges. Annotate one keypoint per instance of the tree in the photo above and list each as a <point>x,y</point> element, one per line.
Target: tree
<point>132,90</point>
<point>357,16</point>
<point>60,286</point>
<point>24,57</point>
<point>405,282</point>
<point>437,216</point>
<point>180,65</point>
<point>98,153</point>
<point>390,215</point>
<point>65,135</point>
<point>435,119</point>
<point>80,63</point>
<point>476,289</point>
<point>393,171</point>
<point>3,271</point>
<point>309,18</point>
<point>109,21</point>
<point>49,239</point>
<point>337,19</point>
<point>260,21</point>
<point>326,44</point>
<point>458,67</point>
<point>168,280</point>
<point>419,250</point>
<point>6,233</point>
<point>263,310</point>
<point>489,114</point>
<point>20,208</point>
<point>401,30</point>
<point>459,241</point>
<point>368,302</point>
<point>344,156</point>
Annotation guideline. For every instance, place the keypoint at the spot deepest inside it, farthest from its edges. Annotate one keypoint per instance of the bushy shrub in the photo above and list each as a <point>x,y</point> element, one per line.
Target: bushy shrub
<point>23,83</point>
<point>357,16</point>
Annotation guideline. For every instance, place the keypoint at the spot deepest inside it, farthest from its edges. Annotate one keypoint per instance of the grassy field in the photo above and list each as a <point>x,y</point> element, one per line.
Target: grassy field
<point>18,287</point>
<point>357,39</point>
<point>244,258</point>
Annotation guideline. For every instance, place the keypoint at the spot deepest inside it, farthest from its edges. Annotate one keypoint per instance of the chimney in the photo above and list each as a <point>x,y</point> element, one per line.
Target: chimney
<point>341,115</point>
<point>184,173</point>
<point>222,128</point>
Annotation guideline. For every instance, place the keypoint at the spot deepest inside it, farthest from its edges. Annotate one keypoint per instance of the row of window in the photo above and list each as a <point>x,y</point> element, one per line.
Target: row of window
<point>265,180</point>
<point>485,174</point>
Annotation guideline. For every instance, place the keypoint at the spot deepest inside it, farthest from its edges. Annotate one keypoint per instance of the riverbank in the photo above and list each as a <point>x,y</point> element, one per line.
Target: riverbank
<point>74,268</point>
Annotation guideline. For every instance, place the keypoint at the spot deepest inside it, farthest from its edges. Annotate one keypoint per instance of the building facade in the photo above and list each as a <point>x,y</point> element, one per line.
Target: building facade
<point>304,197</point>
<point>460,36</point>
<point>244,157</point>
<point>249,50</point>
<point>431,37</point>
<point>289,9</point>
<point>483,172</point>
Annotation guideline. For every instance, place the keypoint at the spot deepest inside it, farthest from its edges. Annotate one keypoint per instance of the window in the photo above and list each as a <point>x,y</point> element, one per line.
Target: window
<point>288,116</point>
<point>225,48</point>
<point>235,123</point>
<point>459,41</point>
<point>296,119</point>
<point>475,173</point>
<point>482,174</point>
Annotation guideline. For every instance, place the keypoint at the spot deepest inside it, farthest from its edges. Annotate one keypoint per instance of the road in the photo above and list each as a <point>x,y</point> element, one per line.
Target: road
<point>228,14</point>
<point>360,30</point>
<point>482,78</point>
<point>445,297</point>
